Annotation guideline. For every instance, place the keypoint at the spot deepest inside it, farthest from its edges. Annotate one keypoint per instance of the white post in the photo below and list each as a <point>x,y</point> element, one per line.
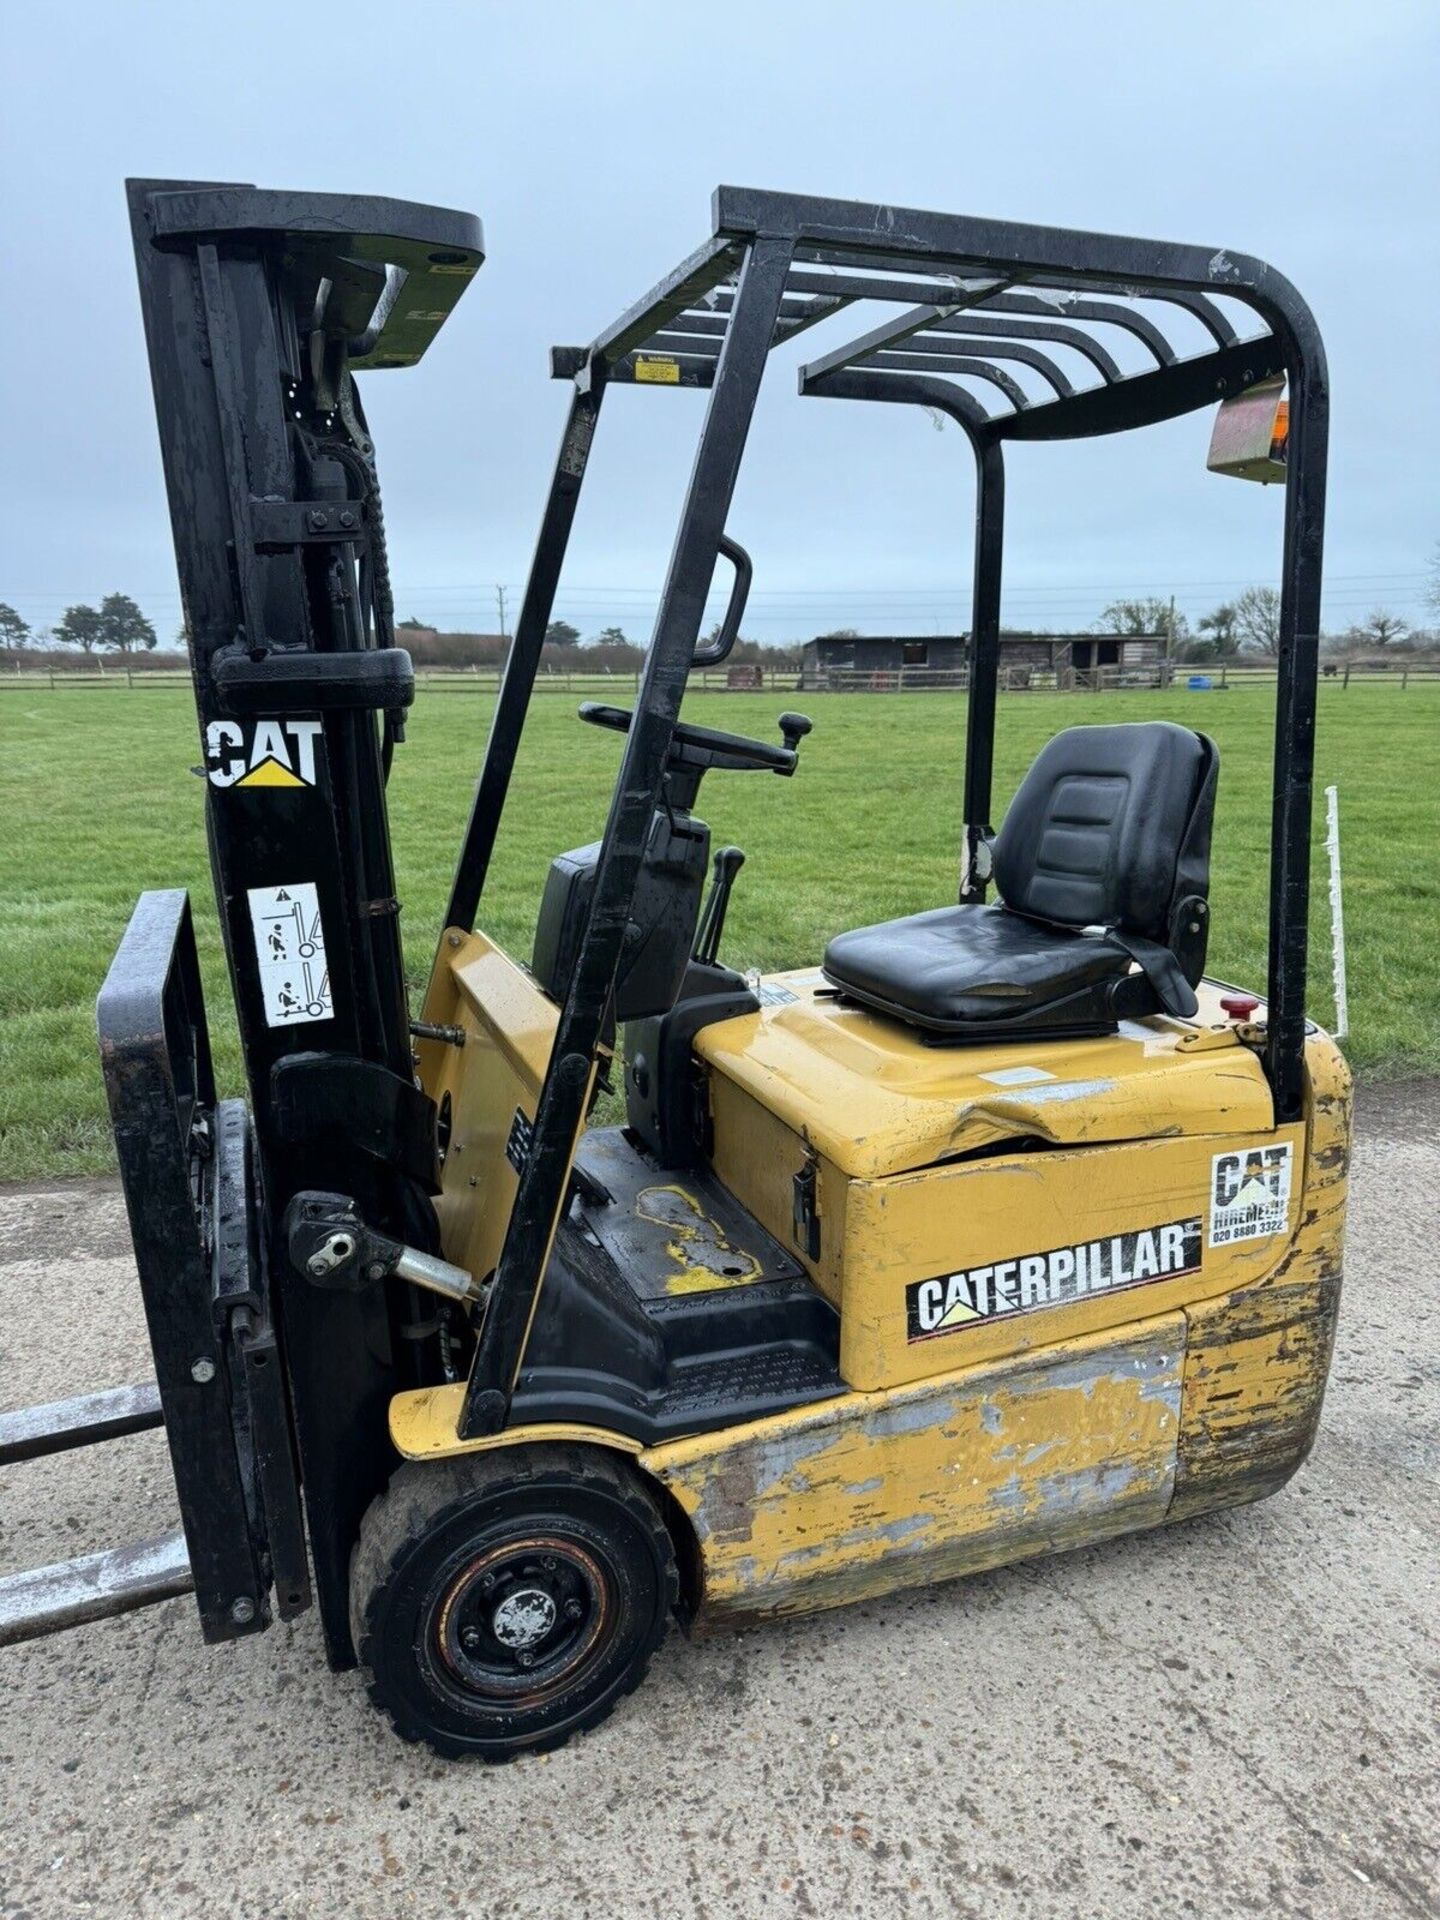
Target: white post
<point>1337,909</point>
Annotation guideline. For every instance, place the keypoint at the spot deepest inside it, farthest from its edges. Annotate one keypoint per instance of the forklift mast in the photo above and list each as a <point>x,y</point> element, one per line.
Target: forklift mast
<point>259,309</point>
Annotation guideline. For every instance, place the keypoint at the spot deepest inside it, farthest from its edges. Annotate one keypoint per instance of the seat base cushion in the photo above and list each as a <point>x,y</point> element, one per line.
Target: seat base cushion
<point>959,972</point>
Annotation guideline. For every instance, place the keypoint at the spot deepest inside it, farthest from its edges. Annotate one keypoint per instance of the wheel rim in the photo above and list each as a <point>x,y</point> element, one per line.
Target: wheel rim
<point>516,1622</point>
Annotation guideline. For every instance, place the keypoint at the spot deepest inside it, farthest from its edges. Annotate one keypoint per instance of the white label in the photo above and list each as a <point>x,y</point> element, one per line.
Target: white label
<point>1017,1077</point>
<point>290,949</point>
<point>1249,1194</point>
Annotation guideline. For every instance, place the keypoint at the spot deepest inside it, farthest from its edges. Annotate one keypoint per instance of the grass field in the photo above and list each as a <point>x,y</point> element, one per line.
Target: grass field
<point>98,802</point>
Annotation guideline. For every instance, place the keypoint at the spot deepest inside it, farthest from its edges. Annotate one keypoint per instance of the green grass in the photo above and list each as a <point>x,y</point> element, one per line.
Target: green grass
<point>98,803</point>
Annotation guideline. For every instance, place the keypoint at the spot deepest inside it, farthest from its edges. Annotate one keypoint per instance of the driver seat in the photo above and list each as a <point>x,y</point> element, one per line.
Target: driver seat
<point>1102,867</point>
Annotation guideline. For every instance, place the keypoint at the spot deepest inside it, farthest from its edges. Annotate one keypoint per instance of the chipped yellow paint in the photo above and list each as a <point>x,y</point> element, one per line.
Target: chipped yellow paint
<point>982,1211</point>
<point>862,1494</point>
<point>1045,1449</point>
<point>1030,1433</point>
<point>704,1259</point>
<point>1257,1359</point>
<point>509,1028</point>
<point>874,1100</point>
<point>880,1233</point>
<point>423,1424</point>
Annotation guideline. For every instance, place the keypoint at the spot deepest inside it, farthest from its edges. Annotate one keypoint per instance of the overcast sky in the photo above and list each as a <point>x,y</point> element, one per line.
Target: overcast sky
<point>589,138</point>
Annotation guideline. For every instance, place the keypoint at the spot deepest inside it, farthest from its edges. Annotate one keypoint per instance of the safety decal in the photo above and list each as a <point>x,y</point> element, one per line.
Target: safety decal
<point>1250,1194</point>
<point>290,949</point>
<point>1017,1077</point>
<point>1051,1279</point>
<point>774,993</point>
<point>261,753</point>
<point>658,369</point>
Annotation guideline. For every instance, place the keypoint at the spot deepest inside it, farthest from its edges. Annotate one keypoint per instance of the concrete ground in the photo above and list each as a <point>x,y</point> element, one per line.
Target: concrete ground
<point>1237,1716</point>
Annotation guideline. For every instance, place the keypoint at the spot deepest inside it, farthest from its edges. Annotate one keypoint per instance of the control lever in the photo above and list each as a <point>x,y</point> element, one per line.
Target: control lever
<point>793,729</point>
<point>728,862</point>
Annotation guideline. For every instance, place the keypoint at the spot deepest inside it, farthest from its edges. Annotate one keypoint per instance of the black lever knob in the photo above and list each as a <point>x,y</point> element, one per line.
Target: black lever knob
<point>793,729</point>
<point>728,862</point>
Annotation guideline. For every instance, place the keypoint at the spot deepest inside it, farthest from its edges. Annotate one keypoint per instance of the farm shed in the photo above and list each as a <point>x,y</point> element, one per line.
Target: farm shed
<point>886,662</point>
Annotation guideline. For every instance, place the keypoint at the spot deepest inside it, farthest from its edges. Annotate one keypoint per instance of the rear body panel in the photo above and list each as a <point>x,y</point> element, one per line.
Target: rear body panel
<point>1179,1407</point>
<point>1107,1298</point>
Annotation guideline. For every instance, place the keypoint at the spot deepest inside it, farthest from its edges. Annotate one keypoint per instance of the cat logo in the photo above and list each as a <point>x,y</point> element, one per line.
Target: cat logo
<point>261,753</point>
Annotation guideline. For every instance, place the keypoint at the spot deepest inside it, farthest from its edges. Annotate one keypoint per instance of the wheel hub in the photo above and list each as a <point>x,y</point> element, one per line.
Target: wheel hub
<point>523,1618</point>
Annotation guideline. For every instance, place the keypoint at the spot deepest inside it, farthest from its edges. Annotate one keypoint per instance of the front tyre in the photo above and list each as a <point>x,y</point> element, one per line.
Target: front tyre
<point>501,1602</point>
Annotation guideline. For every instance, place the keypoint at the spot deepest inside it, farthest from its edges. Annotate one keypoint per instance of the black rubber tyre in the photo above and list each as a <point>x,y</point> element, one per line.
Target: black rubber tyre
<point>504,1601</point>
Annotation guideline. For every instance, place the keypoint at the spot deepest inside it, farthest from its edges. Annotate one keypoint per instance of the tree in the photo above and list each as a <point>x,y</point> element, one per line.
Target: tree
<point>13,630</point>
<point>611,637</point>
<point>1150,615</point>
<point>1380,627</point>
<point>123,626</point>
<point>81,627</point>
<point>1222,630</point>
<point>841,633</point>
<point>560,633</point>
<point>1432,592</point>
<point>1257,617</point>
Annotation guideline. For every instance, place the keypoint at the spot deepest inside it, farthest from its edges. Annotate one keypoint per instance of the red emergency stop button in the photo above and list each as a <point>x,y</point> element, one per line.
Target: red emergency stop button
<point>1239,1006</point>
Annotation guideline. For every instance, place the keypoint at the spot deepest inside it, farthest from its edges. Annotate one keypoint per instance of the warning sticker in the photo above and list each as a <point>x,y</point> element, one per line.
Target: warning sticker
<point>1249,1194</point>
<point>657,368</point>
<point>261,753</point>
<point>290,948</point>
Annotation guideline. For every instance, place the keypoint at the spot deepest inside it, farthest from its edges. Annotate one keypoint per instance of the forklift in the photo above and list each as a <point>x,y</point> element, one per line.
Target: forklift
<point>996,1230</point>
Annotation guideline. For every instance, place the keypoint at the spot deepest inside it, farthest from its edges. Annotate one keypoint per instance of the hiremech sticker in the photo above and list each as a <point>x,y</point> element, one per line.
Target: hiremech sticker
<point>1052,1278</point>
<point>1250,1193</point>
<point>261,753</point>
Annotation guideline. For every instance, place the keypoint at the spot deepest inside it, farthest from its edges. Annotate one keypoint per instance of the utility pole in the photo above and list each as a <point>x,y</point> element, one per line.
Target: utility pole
<point>1170,643</point>
<point>500,603</point>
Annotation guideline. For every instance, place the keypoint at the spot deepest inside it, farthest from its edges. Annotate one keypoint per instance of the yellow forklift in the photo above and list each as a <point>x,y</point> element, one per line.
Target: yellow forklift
<point>996,1230</point>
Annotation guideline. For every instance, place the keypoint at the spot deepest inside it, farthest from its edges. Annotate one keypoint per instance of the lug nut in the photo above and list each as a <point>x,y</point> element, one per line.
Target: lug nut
<point>548,1563</point>
<point>573,1609</point>
<point>525,1658</point>
<point>470,1639</point>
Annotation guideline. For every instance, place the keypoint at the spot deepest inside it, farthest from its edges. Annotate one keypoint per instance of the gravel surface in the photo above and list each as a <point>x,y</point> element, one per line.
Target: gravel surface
<point>1234,1716</point>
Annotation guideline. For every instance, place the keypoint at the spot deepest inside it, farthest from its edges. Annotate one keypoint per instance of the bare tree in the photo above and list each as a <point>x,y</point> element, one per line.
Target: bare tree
<point>1379,628</point>
<point>1257,618</point>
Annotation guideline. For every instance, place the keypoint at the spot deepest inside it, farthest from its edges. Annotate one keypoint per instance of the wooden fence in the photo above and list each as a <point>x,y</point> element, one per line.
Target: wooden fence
<point>790,680</point>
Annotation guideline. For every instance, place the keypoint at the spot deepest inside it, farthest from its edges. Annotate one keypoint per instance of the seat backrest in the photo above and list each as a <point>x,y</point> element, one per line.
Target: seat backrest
<point>1111,827</point>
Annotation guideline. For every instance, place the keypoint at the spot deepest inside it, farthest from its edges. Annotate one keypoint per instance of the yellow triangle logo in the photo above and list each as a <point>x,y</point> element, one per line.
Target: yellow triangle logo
<point>270,773</point>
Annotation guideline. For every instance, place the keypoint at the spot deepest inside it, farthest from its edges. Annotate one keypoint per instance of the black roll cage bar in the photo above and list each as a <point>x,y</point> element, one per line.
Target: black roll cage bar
<point>967,293</point>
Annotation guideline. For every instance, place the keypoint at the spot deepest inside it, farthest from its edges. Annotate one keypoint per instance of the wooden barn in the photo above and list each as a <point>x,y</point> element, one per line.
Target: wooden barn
<point>884,663</point>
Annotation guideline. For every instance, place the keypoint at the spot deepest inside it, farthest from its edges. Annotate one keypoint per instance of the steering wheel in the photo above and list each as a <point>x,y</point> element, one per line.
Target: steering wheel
<point>706,747</point>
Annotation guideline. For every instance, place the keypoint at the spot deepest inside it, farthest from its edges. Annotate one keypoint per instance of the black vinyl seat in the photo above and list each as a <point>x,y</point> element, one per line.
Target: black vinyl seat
<point>1103,861</point>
